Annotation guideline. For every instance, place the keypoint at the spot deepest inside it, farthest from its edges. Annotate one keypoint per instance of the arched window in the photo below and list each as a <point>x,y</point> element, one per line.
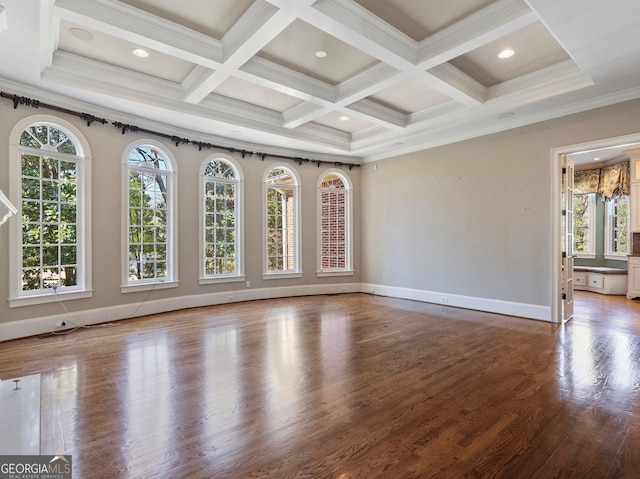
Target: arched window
<point>151,259</point>
<point>221,256</point>
<point>50,240</point>
<point>335,224</point>
<point>281,219</point>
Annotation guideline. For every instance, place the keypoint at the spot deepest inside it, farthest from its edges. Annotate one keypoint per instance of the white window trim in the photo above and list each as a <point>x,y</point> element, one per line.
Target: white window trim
<point>608,238</point>
<point>171,281</point>
<point>591,254</point>
<point>84,274</point>
<point>240,274</point>
<point>297,271</point>
<point>348,270</point>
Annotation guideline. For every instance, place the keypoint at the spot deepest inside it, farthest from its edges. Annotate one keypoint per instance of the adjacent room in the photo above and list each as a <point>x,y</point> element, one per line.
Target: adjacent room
<point>321,238</point>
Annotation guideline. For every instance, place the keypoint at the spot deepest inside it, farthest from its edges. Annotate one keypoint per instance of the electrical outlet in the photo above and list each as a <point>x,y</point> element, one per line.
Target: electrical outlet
<point>60,324</point>
<point>248,284</point>
<point>444,299</point>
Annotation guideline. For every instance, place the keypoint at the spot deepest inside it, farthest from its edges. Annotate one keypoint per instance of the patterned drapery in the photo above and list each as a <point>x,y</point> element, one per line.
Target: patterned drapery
<point>586,181</point>
<point>611,181</point>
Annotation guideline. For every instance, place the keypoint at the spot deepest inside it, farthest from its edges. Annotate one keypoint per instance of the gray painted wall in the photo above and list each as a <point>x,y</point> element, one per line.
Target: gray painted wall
<point>473,218</point>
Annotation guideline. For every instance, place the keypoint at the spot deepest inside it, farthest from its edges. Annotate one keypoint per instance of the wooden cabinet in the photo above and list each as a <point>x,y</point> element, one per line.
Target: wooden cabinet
<point>633,277</point>
<point>601,280</point>
<point>634,207</point>
<point>634,196</point>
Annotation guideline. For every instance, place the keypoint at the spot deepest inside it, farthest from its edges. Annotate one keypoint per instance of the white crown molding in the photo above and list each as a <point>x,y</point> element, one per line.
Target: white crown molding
<point>479,126</point>
<point>339,140</point>
<point>551,81</point>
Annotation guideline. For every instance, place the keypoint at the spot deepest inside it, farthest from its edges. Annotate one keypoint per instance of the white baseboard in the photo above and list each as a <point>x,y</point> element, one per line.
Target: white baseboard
<point>523,310</point>
<point>45,324</point>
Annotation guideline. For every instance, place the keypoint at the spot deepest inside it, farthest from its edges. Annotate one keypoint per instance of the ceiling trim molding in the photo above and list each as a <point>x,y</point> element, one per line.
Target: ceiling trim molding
<point>484,26</point>
<point>143,28</point>
<point>384,116</point>
<point>355,25</point>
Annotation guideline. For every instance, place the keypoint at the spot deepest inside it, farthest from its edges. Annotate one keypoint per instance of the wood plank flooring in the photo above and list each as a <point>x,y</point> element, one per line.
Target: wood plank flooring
<point>345,386</point>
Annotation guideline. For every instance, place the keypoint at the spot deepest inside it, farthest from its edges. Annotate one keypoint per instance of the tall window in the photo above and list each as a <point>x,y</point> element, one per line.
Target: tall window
<point>150,231</point>
<point>52,254</point>
<point>584,207</point>
<point>334,203</point>
<point>617,227</point>
<point>281,222</point>
<point>221,258</point>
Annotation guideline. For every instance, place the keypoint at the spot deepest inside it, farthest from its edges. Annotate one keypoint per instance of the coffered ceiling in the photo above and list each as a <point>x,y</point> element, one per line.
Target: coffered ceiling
<point>357,80</point>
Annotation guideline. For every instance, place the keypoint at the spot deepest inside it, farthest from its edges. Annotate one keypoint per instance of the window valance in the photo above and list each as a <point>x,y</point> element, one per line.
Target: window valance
<point>611,181</point>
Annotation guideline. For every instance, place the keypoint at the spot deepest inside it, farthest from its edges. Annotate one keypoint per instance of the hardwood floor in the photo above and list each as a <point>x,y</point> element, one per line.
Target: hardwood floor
<point>346,386</point>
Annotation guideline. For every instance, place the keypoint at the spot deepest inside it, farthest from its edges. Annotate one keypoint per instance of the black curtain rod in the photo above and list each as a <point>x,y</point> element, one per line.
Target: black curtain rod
<point>125,128</point>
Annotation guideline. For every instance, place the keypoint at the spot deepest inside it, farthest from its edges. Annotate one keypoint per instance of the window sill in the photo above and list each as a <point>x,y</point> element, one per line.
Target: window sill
<point>221,279</point>
<point>323,274</point>
<point>132,288</point>
<point>49,298</point>
<point>585,256</point>
<point>284,275</point>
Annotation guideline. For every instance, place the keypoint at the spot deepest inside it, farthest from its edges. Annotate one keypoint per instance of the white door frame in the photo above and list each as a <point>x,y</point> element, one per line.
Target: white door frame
<point>556,215</point>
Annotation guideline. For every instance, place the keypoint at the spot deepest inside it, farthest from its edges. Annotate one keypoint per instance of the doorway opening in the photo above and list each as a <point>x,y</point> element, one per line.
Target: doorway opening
<point>561,285</point>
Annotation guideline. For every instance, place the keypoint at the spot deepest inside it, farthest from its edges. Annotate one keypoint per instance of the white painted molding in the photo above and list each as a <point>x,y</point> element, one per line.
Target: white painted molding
<point>212,102</point>
<point>523,310</point>
<point>387,117</point>
<point>352,23</point>
<point>147,30</point>
<point>45,324</point>
<point>486,25</point>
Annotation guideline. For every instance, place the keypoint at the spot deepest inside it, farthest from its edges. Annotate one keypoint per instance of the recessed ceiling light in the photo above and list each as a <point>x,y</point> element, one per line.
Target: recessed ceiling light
<point>81,34</point>
<point>140,52</point>
<point>321,54</point>
<point>505,53</point>
<point>343,118</point>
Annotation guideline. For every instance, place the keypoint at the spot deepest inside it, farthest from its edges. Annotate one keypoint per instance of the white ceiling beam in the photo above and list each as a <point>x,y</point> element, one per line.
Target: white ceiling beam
<point>121,83</point>
<point>147,30</point>
<point>548,82</point>
<point>494,21</point>
<point>260,24</point>
<point>382,115</point>
<point>403,57</point>
<point>303,113</point>
<point>457,84</point>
